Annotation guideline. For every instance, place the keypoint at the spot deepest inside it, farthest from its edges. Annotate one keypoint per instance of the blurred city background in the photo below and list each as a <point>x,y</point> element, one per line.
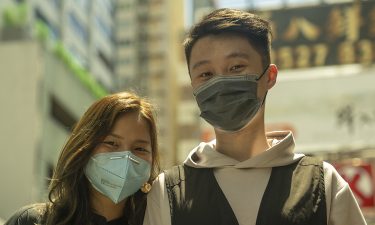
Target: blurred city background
<point>58,56</point>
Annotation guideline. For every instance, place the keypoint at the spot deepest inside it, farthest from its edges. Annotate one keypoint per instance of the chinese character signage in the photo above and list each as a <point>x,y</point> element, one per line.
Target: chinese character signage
<point>323,35</point>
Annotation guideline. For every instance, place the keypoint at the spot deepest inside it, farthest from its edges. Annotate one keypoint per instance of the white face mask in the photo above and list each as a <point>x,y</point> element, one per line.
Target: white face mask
<point>117,175</point>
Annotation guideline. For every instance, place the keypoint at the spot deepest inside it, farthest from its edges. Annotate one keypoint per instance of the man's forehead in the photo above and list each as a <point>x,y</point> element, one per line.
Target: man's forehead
<point>205,49</point>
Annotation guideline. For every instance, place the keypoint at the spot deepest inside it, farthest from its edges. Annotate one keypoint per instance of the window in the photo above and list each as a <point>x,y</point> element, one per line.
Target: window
<point>107,62</point>
<point>84,4</point>
<point>57,4</point>
<point>77,56</point>
<point>105,29</point>
<point>53,31</point>
<point>124,61</point>
<point>106,5</point>
<point>78,28</point>
<point>61,115</point>
<point>124,42</point>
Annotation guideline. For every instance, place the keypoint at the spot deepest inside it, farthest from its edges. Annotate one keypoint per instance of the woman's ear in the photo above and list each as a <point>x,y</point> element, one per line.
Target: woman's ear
<point>272,76</point>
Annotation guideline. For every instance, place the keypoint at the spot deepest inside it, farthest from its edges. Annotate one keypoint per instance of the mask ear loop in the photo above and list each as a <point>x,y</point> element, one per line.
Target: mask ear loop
<point>264,72</point>
<point>264,99</point>
<point>258,78</point>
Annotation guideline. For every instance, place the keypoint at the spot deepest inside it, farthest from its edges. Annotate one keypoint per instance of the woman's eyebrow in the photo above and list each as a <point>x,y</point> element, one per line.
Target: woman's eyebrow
<point>139,140</point>
<point>115,135</point>
<point>143,141</point>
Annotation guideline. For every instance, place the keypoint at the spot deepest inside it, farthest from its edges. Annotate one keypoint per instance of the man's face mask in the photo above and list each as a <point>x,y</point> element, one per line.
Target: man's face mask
<point>117,175</point>
<point>229,102</point>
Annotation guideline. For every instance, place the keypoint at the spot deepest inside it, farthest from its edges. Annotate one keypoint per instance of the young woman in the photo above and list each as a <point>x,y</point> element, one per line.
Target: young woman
<point>104,169</point>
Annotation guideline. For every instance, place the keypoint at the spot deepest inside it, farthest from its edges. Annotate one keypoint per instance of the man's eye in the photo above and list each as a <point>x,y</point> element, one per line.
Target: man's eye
<point>237,68</point>
<point>206,75</point>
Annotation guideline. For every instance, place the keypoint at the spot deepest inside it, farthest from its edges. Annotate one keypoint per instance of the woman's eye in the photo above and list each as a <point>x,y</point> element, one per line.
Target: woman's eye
<point>140,149</point>
<point>110,143</point>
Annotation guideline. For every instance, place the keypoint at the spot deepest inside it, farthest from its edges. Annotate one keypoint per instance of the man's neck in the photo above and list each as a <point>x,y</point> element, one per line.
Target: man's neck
<point>242,145</point>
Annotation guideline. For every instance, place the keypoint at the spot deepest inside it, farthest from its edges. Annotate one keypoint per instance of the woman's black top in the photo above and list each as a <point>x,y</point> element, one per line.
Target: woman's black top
<point>31,215</point>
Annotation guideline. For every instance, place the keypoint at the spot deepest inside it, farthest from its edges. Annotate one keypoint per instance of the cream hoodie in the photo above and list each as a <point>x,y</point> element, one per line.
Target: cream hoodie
<point>244,183</point>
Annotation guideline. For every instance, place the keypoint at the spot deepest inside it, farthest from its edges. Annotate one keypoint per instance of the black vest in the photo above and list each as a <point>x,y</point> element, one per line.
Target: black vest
<point>294,195</point>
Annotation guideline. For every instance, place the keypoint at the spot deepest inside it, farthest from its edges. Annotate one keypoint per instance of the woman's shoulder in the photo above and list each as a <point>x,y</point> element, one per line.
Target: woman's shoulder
<point>27,215</point>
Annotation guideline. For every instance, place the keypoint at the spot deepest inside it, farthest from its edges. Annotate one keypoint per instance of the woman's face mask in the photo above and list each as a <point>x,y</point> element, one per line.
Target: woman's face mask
<point>117,175</point>
<point>229,102</point>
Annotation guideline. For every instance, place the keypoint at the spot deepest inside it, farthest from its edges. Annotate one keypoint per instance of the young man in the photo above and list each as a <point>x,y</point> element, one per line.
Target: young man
<point>245,176</point>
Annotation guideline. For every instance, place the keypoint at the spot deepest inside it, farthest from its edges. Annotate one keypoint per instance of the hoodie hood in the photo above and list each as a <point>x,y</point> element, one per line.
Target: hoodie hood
<point>279,154</point>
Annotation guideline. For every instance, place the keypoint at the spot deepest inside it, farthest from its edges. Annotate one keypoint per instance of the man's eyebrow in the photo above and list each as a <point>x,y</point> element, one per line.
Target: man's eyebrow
<point>199,63</point>
<point>231,55</point>
<point>238,55</point>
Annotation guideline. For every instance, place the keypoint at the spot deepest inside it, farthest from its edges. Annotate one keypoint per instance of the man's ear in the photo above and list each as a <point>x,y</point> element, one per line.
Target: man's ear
<point>272,76</point>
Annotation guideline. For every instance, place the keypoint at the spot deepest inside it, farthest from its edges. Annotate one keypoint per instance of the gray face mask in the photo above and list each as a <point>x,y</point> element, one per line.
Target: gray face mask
<point>229,102</point>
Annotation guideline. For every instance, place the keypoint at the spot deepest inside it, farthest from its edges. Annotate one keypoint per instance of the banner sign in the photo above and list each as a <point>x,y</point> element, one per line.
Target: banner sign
<point>323,35</point>
<point>360,180</point>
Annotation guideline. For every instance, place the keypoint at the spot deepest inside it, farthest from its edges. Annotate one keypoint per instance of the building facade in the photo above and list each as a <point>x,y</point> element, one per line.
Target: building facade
<point>48,80</point>
<point>86,29</point>
<point>41,101</point>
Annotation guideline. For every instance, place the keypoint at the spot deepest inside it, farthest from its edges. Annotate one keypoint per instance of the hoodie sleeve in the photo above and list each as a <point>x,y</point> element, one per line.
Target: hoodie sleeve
<point>342,207</point>
<point>157,210</point>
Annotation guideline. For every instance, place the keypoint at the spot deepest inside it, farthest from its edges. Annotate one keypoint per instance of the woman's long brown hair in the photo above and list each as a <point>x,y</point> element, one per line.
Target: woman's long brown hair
<point>69,188</point>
